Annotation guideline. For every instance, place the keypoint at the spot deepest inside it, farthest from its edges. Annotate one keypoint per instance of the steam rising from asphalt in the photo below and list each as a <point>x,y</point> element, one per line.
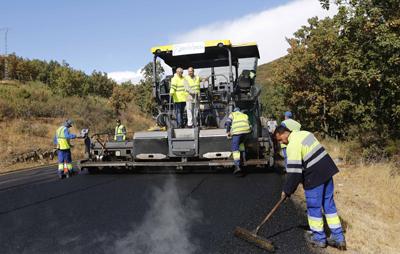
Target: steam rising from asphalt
<point>165,227</point>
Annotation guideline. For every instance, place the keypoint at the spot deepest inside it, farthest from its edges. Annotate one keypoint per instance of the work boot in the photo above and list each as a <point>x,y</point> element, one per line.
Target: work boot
<point>332,241</point>
<point>310,239</point>
<point>238,171</point>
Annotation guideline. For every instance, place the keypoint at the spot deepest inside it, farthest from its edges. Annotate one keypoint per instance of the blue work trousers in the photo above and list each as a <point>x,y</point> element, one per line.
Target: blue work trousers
<point>238,148</point>
<point>320,199</point>
<point>179,112</point>
<point>64,157</point>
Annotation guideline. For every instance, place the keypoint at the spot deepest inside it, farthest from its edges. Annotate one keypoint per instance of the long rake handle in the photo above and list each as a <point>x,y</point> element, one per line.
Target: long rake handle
<point>269,214</point>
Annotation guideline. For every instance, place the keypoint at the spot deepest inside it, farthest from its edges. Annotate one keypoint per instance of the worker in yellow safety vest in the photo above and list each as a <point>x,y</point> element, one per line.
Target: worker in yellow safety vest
<point>291,125</point>
<point>179,95</point>
<point>192,87</point>
<point>238,127</point>
<point>62,140</point>
<point>120,132</point>
<point>310,164</point>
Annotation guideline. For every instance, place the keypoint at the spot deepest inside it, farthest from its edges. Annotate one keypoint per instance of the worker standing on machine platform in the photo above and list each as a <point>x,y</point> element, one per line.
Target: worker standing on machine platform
<point>62,140</point>
<point>311,165</point>
<point>291,125</point>
<point>120,132</point>
<point>192,87</point>
<point>238,127</point>
<point>179,96</point>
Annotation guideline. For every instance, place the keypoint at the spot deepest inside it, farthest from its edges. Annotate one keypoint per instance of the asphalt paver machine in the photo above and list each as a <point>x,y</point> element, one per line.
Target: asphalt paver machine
<point>228,80</point>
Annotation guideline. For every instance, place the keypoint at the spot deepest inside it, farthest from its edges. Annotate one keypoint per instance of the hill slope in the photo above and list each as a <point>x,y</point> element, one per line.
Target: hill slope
<point>30,114</point>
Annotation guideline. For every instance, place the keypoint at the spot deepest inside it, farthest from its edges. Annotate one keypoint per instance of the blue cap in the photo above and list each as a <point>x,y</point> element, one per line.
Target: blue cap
<point>236,109</point>
<point>288,114</point>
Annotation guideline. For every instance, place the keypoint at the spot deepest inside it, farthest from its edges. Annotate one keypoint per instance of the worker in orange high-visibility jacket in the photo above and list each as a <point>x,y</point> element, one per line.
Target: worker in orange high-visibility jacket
<point>309,163</point>
<point>62,140</point>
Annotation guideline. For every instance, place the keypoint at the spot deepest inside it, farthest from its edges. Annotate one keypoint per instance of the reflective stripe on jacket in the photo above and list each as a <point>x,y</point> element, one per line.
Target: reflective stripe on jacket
<point>307,162</point>
<point>120,132</point>
<point>177,90</point>
<point>62,141</point>
<point>240,123</point>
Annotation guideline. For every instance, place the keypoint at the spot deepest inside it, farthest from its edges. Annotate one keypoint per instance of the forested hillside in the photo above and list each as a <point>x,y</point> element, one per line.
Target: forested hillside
<point>341,76</point>
<point>40,95</point>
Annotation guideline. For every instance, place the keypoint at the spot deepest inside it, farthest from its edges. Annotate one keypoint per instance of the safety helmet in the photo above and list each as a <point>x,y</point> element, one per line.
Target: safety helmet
<point>68,123</point>
<point>236,109</point>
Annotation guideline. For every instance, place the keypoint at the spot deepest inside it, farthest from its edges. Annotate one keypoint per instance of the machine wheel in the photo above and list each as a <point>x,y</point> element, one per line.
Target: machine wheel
<point>162,119</point>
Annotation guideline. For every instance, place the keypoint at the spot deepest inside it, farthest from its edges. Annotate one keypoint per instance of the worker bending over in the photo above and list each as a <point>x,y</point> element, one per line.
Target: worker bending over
<point>120,132</point>
<point>179,96</point>
<point>309,163</point>
<point>62,140</point>
<point>192,87</point>
<point>237,127</point>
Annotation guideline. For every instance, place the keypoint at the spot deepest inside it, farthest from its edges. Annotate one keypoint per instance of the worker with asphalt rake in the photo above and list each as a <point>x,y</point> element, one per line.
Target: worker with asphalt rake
<point>310,164</point>
<point>307,163</point>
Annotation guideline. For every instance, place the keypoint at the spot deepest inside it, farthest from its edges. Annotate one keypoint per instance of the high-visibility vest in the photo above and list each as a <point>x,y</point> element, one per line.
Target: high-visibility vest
<point>291,124</point>
<point>307,161</point>
<point>302,146</point>
<point>62,141</point>
<point>194,83</point>
<point>240,123</point>
<point>177,90</point>
<point>119,132</point>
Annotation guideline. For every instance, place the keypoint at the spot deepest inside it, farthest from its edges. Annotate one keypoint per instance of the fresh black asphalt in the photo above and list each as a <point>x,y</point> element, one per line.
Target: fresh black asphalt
<point>106,213</point>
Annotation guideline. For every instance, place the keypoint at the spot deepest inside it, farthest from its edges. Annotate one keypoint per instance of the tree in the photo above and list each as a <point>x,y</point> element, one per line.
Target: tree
<point>143,92</point>
<point>67,81</point>
<point>100,84</point>
<point>121,96</point>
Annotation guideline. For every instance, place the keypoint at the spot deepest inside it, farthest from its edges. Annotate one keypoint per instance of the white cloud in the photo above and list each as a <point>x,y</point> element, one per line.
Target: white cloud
<point>268,28</point>
<point>123,76</point>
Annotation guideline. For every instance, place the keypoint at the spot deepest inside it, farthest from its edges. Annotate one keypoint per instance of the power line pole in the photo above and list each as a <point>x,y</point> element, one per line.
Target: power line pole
<point>5,53</point>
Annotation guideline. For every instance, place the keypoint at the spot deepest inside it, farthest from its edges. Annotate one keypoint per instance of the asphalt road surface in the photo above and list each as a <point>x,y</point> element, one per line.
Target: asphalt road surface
<point>143,213</point>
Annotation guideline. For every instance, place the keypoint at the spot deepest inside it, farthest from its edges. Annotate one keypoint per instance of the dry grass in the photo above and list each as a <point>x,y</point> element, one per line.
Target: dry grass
<point>22,136</point>
<point>368,198</point>
<point>30,114</point>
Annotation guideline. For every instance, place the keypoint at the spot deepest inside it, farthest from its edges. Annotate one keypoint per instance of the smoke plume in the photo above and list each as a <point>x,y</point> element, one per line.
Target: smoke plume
<point>165,227</point>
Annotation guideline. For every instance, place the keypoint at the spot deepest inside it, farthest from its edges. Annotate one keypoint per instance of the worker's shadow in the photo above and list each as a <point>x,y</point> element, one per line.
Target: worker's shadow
<point>306,228</point>
<point>302,227</point>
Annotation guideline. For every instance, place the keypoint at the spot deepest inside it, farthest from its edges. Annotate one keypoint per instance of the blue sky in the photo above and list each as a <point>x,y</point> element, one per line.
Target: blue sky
<point>115,36</point>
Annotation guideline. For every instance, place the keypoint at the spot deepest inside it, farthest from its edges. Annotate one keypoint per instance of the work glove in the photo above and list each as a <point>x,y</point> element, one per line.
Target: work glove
<point>284,195</point>
<point>228,135</point>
